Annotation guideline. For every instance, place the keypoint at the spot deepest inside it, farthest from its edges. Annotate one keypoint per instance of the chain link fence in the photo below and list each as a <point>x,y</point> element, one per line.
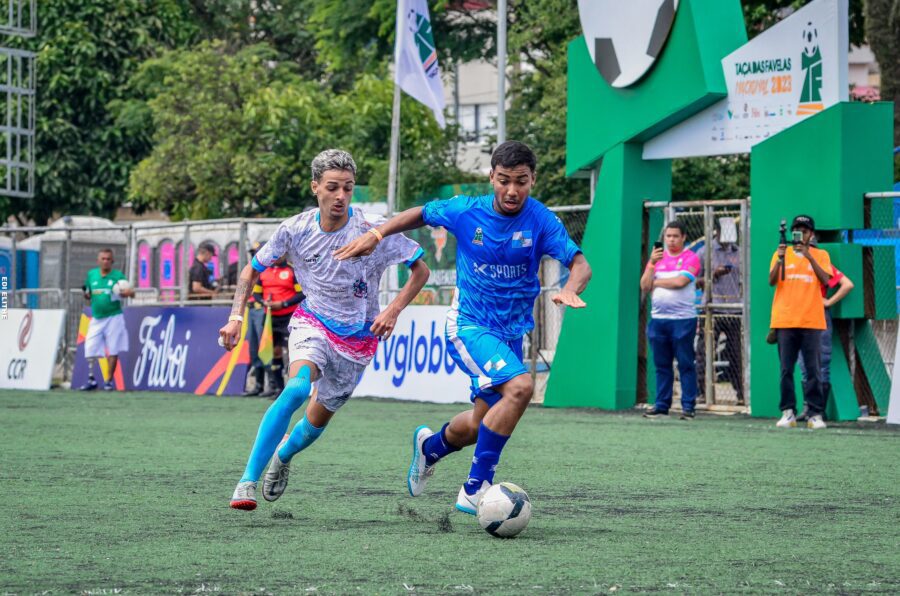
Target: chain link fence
<point>717,232</point>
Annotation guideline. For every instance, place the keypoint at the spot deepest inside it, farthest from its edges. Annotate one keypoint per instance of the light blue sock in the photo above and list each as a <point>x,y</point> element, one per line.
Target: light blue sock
<point>275,423</point>
<point>303,435</point>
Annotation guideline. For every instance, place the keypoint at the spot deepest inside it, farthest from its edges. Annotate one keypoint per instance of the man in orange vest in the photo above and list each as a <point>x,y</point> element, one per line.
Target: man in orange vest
<point>280,293</point>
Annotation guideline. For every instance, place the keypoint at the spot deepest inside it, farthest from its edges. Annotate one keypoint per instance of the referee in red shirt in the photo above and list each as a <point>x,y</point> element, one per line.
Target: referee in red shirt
<point>278,291</point>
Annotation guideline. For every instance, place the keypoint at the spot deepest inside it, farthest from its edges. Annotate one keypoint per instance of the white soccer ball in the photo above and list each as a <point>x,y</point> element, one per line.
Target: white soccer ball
<point>810,39</point>
<point>120,286</point>
<point>504,510</point>
<point>625,38</point>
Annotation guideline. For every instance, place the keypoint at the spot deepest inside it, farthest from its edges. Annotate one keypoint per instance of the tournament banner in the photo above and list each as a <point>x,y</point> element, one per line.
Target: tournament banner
<point>173,349</point>
<point>414,364</point>
<point>29,346</point>
<point>793,70</point>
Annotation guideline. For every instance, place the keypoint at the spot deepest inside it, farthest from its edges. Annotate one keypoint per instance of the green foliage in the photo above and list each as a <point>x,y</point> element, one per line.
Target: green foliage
<point>883,31</point>
<point>86,53</point>
<point>540,32</point>
<point>235,132</point>
<point>759,15</point>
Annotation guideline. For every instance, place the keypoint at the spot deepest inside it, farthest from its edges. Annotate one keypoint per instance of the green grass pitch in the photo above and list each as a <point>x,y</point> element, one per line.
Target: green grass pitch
<point>128,493</point>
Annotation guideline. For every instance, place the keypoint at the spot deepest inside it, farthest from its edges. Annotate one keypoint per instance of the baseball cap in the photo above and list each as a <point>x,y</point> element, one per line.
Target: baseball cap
<point>209,247</point>
<point>804,221</point>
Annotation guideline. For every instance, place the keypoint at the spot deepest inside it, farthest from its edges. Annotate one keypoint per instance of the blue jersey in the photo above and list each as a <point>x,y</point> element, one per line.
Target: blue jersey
<point>497,259</point>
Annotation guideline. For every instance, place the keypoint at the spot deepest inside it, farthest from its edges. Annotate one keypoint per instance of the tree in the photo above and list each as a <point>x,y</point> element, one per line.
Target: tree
<point>883,32</point>
<point>235,133</point>
<point>86,53</point>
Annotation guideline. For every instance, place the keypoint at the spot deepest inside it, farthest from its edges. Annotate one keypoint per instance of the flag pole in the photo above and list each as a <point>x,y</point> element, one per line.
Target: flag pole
<point>501,71</point>
<point>395,153</point>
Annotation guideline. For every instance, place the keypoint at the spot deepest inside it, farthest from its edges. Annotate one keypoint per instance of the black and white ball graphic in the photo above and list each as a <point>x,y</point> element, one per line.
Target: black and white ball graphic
<point>625,37</point>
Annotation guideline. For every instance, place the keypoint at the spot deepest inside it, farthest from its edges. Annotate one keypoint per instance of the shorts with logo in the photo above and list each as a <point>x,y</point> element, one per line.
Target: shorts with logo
<point>108,333</point>
<point>488,359</point>
<point>338,375</point>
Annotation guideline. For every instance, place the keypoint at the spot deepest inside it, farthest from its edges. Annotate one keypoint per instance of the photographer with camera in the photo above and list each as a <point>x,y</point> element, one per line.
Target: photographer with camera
<point>798,317</point>
<point>671,276</point>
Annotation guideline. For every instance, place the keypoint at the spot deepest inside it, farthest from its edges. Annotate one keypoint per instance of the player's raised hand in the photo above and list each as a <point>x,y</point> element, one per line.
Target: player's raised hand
<point>568,298</point>
<point>384,323</point>
<point>362,246</point>
<point>229,335</point>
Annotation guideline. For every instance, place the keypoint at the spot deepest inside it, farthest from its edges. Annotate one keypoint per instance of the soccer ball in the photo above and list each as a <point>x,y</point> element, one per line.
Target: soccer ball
<point>625,38</point>
<point>504,510</point>
<point>120,286</point>
<point>810,39</point>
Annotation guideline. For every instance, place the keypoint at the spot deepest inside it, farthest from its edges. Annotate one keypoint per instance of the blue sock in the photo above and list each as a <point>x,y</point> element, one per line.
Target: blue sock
<point>487,455</point>
<point>437,447</point>
<point>303,435</point>
<point>275,423</point>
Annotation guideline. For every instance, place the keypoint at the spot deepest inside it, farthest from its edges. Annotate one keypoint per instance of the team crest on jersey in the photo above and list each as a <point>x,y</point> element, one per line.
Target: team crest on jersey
<point>521,239</point>
<point>479,237</point>
<point>360,288</point>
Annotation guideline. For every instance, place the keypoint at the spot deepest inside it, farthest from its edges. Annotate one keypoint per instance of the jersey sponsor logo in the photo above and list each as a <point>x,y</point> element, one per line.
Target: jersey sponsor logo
<point>500,271</point>
<point>284,275</point>
<point>479,237</point>
<point>315,259</point>
<point>521,239</point>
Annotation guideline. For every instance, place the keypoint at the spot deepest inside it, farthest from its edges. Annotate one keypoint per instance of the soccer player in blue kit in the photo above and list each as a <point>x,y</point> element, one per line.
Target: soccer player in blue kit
<point>500,239</point>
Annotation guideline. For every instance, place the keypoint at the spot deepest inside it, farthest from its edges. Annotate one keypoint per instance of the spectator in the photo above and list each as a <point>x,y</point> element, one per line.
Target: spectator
<point>726,289</point>
<point>201,284</point>
<point>256,318</point>
<point>798,317</point>
<point>106,334</point>
<point>844,285</point>
<point>671,276</point>
<point>280,293</point>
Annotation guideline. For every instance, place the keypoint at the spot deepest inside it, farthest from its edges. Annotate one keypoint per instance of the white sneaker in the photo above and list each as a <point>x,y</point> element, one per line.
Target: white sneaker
<point>788,420</point>
<point>419,470</point>
<point>469,503</point>
<point>816,422</point>
<point>244,496</point>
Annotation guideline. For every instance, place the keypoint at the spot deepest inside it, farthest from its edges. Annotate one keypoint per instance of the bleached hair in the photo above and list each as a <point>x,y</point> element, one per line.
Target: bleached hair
<point>332,159</point>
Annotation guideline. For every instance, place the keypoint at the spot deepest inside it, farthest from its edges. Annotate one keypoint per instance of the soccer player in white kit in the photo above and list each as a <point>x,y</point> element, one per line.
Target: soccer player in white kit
<point>335,330</point>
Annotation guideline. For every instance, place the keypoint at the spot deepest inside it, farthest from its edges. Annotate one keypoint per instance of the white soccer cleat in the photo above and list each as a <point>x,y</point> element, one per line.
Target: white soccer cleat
<point>419,470</point>
<point>276,479</point>
<point>469,503</point>
<point>816,422</point>
<point>244,496</point>
<point>788,420</point>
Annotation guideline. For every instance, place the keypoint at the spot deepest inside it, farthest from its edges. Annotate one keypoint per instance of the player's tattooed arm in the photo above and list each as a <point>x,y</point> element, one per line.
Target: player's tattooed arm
<point>231,332</point>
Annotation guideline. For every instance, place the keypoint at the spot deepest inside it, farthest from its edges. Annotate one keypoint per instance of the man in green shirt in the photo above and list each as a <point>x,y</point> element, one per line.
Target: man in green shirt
<point>106,337</point>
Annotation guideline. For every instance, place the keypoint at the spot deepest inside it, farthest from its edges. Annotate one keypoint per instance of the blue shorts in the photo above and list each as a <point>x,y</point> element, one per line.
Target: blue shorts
<point>488,360</point>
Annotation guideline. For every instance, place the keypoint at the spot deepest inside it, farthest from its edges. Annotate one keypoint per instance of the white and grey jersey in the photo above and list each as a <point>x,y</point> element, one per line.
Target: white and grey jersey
<point>343,295</point>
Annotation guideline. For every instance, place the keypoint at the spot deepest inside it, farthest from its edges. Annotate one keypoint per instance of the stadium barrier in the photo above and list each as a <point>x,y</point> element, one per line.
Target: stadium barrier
<point>174,349</point>
<point>31,341</point>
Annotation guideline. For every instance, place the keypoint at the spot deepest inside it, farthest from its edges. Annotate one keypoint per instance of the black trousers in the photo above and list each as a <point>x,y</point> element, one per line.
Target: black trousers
<point>791,343</point>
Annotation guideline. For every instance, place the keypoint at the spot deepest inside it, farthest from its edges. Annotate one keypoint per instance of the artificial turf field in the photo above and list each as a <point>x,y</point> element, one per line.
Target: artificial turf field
<point>128,493</point>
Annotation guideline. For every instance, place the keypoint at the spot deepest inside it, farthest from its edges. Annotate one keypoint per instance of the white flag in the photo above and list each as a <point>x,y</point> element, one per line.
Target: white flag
<point>415,57</point>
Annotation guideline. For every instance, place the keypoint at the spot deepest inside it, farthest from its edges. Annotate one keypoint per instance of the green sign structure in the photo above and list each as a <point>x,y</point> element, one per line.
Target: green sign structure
<point>822,166</point>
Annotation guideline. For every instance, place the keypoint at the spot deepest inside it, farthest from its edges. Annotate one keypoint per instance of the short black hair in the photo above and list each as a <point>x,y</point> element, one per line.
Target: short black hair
<point>108,250</point>
<point>208,247</point>
<point>513,153</point>
<point>676,225</point>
